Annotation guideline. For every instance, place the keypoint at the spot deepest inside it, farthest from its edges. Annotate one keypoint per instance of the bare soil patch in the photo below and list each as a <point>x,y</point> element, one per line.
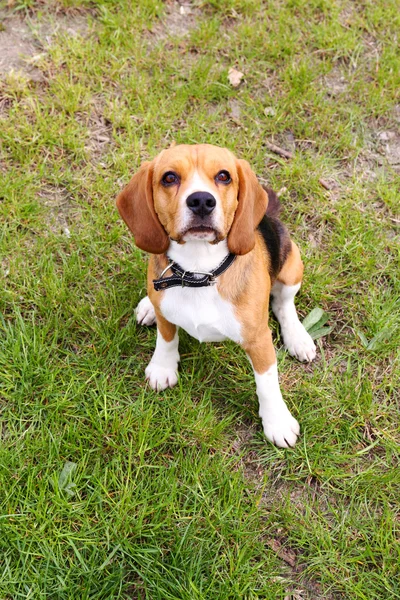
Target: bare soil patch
<point>389,145</point>
<point>179,20</point>
<point>335,82</point>
<point>381,152</point>
<point>23,41</point>
<point>17,49</point>
<point>57,202</point>
<point>99,131</point>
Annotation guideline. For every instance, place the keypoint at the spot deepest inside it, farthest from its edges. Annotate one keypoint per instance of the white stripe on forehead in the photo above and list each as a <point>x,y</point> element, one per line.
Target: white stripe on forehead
<point>198,184</point>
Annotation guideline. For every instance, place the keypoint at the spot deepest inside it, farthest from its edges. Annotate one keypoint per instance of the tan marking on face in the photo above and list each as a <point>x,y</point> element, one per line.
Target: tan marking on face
<point>196,167</point>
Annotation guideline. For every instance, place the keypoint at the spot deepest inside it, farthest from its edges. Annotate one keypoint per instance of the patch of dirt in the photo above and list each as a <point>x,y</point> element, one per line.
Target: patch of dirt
<point>367,166</point>
<point>278,147</point>
<point>381,151</point>
<point>270,84</point>
<point>252,470</point>
<point>57,201</point>
<point>311,590</point>
<point>100,136</point>
<point>17,49</point>
<point>235,112</point>
<point>302,587</point>
<point>99,131</point>
<point>372,52</point>
<point>179,20</point>
<point>5,103</point>
<point>335,82</point>
<point>275,493</point>
<point>299,494</point>
<point>24,41</point>
<point>346,16</point>
<point>389,145</point>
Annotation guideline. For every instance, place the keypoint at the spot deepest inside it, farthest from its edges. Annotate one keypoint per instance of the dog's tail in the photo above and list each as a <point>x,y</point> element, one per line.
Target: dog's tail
<point>274,206</point>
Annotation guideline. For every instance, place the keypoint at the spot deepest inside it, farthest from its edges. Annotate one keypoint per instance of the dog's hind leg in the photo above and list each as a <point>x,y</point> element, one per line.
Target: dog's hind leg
<point>296,339</point>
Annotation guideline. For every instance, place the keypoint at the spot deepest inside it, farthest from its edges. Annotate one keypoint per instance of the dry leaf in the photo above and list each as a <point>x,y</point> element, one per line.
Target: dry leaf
<point>235,77</point>
<point>286,554</point>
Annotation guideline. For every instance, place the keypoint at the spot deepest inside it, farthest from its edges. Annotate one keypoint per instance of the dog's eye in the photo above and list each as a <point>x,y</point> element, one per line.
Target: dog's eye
<point>169,178</point>
<point>223,177</point>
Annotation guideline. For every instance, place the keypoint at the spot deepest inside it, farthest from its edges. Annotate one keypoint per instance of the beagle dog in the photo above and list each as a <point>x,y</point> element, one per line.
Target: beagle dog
<point>218,252</point>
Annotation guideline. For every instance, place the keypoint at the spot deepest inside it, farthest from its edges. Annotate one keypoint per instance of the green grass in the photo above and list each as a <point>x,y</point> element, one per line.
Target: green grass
<point>107,489</point>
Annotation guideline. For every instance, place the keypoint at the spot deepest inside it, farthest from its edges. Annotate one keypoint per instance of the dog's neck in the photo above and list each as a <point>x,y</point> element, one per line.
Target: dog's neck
<point>198,255</point>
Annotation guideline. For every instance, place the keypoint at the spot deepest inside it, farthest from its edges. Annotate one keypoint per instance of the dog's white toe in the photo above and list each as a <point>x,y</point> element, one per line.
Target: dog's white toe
<point>299,343</point>
<point>281,429</point>
<point>160,378</point>
<point>144,312</point>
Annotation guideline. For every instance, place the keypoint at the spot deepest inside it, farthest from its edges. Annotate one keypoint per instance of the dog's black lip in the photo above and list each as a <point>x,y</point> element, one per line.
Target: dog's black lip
<point>200,228</point>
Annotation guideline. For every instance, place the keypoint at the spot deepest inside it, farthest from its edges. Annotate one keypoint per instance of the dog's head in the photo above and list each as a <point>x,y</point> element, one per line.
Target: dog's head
<point>199,192</point>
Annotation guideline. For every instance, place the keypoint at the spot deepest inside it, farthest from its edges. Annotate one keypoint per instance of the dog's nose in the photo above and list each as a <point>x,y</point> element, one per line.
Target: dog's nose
<point>201,203</point>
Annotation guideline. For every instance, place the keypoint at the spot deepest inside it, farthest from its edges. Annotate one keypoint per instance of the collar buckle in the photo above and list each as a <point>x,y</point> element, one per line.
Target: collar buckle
<point>169,266</point>
<point>183,278</point>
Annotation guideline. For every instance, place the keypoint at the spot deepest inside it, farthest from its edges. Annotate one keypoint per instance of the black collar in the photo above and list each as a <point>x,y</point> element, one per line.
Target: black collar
<point>187,278</point>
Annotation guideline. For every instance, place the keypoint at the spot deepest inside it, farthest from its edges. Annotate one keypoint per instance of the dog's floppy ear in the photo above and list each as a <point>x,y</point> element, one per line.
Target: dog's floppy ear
<point>136,207</point>
<point>252,204</point>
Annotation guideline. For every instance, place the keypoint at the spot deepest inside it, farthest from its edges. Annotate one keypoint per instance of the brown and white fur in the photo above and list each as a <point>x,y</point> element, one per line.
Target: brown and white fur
<point>154,206</point>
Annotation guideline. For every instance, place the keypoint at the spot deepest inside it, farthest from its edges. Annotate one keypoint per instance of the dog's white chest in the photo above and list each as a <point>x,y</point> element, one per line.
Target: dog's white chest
<point>202,313</point>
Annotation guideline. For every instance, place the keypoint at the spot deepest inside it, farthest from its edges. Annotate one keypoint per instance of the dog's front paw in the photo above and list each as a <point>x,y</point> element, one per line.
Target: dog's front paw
<point>160,378</point>
<point>281,429</point>
<point>299,344</point>
<point>144,312</point>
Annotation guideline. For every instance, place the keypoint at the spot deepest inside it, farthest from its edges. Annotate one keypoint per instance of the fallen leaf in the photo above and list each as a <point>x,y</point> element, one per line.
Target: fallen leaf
<point>235,77</point>
<point>286,554</point>
<point>314,323</point>
<point>315,317</point>
<point>65,483</point>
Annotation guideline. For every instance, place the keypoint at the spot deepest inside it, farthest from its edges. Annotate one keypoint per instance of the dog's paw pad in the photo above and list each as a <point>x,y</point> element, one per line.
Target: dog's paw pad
<point>281,429</point>
<point>144,312</point>
<point>161,378</point>
<point>300,344</point>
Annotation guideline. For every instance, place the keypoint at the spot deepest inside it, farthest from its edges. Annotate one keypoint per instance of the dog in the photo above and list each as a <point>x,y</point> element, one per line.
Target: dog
<point>218,252</point>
